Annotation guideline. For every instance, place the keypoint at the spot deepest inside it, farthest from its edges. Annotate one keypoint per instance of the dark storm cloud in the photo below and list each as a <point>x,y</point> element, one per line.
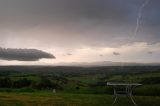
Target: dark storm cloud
<point>116,53</point>
<point>23,54</point>
<point>88,22</point>
<point>18,13</point>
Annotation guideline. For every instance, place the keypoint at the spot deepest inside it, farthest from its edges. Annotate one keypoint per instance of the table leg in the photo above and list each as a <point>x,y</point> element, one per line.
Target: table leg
<point>115,96</point>
<point>115,99</point>
<point>132,100</point>
<point>130,90</point>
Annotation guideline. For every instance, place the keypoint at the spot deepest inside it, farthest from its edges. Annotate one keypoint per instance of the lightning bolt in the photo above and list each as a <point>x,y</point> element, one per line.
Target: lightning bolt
<point>139,16</point>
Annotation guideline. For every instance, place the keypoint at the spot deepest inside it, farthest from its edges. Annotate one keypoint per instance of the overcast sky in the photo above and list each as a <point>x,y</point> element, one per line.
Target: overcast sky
<point>81,30</point>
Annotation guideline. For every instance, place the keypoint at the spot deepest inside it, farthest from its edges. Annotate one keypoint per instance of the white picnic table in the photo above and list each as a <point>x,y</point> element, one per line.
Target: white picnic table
<point>121,88</point>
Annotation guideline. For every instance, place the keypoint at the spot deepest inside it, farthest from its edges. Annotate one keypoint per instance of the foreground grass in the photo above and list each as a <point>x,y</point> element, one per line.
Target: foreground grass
<point>64,99</point>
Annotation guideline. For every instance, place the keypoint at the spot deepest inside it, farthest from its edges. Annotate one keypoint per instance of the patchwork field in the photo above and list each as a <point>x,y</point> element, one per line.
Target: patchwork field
<point>76,86</point>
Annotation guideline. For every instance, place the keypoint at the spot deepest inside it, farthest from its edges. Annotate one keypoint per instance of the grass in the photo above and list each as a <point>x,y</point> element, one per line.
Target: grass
<point>85,95</point>
<point>69,99</point>
<point>134,77</point>
<point>86,79</point>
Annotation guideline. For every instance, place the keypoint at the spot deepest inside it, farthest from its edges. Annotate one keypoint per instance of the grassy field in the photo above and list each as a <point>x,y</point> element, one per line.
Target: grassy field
<point>66,99</point>
<point>76,86</point>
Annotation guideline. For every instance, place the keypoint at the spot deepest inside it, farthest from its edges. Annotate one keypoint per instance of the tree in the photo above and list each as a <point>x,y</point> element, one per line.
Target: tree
<point>45,83</point>
<point>22,83</point>
<point>5,83</point>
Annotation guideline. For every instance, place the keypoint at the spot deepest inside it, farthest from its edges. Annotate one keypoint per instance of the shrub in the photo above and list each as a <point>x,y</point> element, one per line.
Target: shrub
<point>22,83</point>
<point>5,83</point>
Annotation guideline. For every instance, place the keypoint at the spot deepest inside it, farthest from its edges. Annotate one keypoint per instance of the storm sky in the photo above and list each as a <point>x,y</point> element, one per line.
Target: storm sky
<point>81,30</point>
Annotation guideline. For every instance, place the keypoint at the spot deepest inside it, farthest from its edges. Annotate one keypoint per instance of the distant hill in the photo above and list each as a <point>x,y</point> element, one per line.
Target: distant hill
<point>107,63</point>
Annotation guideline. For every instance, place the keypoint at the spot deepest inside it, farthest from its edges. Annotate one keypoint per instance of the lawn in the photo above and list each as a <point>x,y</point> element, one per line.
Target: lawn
<point>69,99</point>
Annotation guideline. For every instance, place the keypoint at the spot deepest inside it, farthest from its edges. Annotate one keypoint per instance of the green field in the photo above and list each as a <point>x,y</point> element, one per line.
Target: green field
<point>76,86</point>
<point>68,99</point>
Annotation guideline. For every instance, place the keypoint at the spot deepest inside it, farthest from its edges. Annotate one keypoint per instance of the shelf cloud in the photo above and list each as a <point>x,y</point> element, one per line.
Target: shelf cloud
<point>24,54</point>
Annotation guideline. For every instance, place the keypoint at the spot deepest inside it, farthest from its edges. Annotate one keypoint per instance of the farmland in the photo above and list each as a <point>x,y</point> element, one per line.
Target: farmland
<point>75,86</point>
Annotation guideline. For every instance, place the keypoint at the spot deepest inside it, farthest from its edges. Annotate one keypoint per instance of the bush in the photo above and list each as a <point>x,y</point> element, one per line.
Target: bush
<point>45,84</point>
<point>5,83</point>
<point>22,83</point>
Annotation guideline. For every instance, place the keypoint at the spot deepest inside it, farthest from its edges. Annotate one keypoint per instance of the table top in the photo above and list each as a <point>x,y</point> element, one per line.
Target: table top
<point>122,84</point>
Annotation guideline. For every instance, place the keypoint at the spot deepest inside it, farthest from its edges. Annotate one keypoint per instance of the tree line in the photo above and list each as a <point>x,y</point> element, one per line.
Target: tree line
<point>43,83</point>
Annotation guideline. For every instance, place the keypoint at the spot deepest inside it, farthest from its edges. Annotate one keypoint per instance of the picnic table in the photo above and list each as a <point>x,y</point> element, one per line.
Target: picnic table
<point>121,88</point>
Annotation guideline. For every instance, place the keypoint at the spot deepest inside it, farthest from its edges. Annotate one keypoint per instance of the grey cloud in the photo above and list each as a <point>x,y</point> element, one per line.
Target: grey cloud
<point>150,52</point>
<point>18,14</point>
<point>87,22</point>
<point>69,54</point>
<point>116,53</point>
<point>23,54</point>
<point>101,55</point>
